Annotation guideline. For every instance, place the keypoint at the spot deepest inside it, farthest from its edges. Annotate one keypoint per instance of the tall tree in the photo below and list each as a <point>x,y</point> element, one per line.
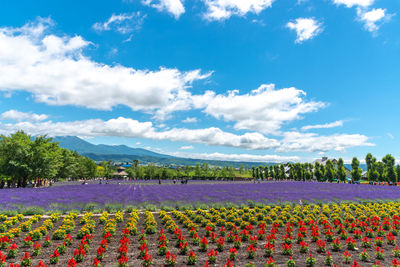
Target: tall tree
<point>356,170</point>
<point>340,170</point>
<point>389,171</point>
<point>329,171</point>
<point>317,172</point>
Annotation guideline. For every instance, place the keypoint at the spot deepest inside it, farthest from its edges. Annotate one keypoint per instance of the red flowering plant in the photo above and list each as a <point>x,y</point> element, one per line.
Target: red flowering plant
<point>195,239</point>
<point>379,253</point>
<point>347,257</point>
<point>379,241</point>
<point>191,258</point>
<point>228,263</point>
<point>336,245</point>
<point>100,253</point>
<point>287,249</point>
<point>47,241</point>
<point>208,230</point>
<point>183,248</point>
<point>310,261</point>
<point>162,249</point>
<point>71,262</point>
<point>251,251</point>
<point>377,264</point>
<point>396,252</point>
<point>123,261</point>
<point>253,240</point>
<point>26,260</point>
<point>143,250</point>
<point>37,249</point>
<point>54,258</point>
<point>270,263</point>
<point>351,243</point>
<point>203,244</point>
<point>244,235</point>
<point>222,231</point>
<point>232,254</point>
<point>304,247</point>
<point>328,259</point>
<point>147,260</point>
<point>212,256</point>
<point>231,237</point>
<point>61,248</point>
<point>170,260</point>
<point>321,246</point>
<point>261,234</point>
<point>27,242</point>
<point>68,240</point>
<point>269,249</point>
<point>79,254</point>
<point>364,256</point>
<point>221,244</point>
<point>291,262</point>
<point>366,242</point>
<point>391,239</point>
<point>237,242</point>
<point>12,251</point>
<point>4,242</point>
<point>395,263</point>
<point>213,237</point>
<point>96,262</point>
<point>2,259</point>
<point>40,264</point>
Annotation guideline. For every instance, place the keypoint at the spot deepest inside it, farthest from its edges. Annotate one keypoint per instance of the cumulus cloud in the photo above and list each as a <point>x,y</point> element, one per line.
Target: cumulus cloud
<point>224,9</point>
<point>15,115</point>
<point>56,72</point>
<point>125,127</point>
<point>306,28</point>
<point>175,7</point>
<point>373,18</point>
<point>238,157</point>
<point>123,23</point>
<point>264,109</point>
<point>311,142</point>
<point>323,126</point>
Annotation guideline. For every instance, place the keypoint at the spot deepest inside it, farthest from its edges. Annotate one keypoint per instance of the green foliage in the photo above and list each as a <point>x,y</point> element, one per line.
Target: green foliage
<point>356,170</point>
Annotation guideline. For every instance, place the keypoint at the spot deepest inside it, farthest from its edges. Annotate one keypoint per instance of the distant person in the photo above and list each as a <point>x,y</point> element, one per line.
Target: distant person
<point>174,181</point>
<point>159,181</point>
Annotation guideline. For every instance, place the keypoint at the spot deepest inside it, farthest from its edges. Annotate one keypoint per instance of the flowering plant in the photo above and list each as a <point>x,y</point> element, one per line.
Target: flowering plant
<point>191,258</point>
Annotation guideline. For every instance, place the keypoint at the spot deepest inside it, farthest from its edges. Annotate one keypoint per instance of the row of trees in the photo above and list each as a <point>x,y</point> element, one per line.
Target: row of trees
<point>24,159</point>
<point>377,171</point>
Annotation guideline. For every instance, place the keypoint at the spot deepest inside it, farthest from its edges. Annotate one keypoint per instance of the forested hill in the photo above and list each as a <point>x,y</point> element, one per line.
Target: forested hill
<point>122,153</point>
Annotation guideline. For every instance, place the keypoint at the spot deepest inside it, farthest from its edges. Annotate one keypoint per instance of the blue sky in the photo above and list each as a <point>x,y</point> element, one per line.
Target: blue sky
<point>259,80</point>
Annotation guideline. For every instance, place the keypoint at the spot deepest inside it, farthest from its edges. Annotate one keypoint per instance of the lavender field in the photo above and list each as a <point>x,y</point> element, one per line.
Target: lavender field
<point>74,196</point>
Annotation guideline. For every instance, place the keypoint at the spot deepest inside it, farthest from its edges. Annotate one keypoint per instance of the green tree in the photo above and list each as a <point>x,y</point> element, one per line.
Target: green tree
<point>317,172</point>
<point>282,172</point>
<point>356,170</point>
<point>329,171</point>
<point>340,170</point>
<point>389,171</point>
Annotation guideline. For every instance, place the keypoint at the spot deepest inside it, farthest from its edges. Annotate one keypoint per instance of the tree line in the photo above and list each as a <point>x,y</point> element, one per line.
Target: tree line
<point>25,159</point>
<point>377,171</point>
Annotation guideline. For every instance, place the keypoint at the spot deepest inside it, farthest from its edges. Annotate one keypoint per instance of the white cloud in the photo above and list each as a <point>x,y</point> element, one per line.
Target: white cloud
<point>16,115</point>
<point>175,7</point>
<point>372,17</point>
<point>186,147</point>
<point>264,109</point>
<point>306,28</point>
<point>125,127</point>
<point>189,120</point>
<point>351,3</point>
<point>238,157</point>
<point>390,135</point>
<point>323,126</point>
<point>56,72</point>
<point>123,23</point>
<point>311,142</point>
<point>224,9</point>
